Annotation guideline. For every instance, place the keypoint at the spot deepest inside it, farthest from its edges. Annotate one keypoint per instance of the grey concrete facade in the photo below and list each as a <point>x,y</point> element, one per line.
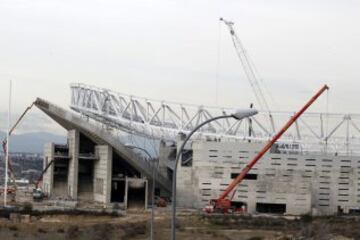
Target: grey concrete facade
<point>316,184</point>
<point>102,174</point>
<point>48,180</point>
<point>77,173</point>
<point>73,138</point>
<point>101,136</point>
<point>95,166</point>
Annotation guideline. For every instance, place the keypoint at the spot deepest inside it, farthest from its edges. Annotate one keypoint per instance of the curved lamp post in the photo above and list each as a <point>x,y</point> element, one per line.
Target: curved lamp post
<point>238,115</point>
<point>153,187</point>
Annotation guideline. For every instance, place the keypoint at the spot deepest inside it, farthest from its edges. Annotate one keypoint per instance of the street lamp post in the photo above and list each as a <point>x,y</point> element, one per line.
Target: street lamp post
<point>153,188</point>
<point>238,115</point>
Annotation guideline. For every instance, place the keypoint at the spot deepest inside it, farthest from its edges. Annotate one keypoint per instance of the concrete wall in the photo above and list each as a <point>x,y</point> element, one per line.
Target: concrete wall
<point>103,174</point>
<point>74,139</point>
<point>85,180</point>
<point>47,184</point>
<point>78,185</point>
<point>315,184</point>
<point>60,189</point>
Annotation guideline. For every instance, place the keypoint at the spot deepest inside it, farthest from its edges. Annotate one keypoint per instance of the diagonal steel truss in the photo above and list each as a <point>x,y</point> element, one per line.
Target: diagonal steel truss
<point>313,132</point>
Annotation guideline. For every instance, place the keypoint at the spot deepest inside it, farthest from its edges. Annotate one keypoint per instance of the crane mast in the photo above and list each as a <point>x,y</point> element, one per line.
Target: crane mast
<point>249,71</point>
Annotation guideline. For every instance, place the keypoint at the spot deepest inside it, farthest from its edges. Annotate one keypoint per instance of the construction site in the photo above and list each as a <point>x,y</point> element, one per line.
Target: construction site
<point>235,171</point>
<point>138,168</point>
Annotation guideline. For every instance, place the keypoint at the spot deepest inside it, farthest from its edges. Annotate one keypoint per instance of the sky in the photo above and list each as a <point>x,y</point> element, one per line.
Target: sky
<point>179,51</point>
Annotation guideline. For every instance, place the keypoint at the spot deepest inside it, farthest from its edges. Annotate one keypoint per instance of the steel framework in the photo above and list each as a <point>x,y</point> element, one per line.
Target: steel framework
<point>311,133</point>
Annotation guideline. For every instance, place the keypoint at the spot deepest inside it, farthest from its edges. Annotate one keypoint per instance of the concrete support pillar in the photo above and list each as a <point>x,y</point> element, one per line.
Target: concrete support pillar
<point>74,142</point>
<point>185,187</point>
<point>126,192</point>
<point>48,177</point>
<point>251,205</point>
<point>103,174</point>
<point>146,193</point>
<point>165,152</point>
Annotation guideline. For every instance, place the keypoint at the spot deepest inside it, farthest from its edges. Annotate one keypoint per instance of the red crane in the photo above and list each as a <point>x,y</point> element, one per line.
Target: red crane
<point>223,203</point>
<point>4,143</point>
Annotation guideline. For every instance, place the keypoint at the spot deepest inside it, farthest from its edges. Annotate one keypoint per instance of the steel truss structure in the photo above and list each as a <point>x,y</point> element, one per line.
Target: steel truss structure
<point>312,133</point>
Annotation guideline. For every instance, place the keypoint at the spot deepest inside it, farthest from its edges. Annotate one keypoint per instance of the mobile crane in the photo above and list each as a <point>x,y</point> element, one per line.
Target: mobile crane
<point>12,190</point>
<point>223,203</point>
<point>37,191</point>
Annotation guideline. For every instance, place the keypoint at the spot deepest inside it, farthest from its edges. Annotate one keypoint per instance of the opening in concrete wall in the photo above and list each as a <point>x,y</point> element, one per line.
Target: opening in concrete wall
<point>61,150</point>
<point>61,167</point>
<point>354,211</point>
<point>87,146</point>
<point>239,206</point>
<point>186,158</point>
<point>136,193</point>
<point>118,190</point>
<point>249,176</point>
<point>86,179</point>
<point>157,191</point>
<point>277,208</point>
<point>120,170</point>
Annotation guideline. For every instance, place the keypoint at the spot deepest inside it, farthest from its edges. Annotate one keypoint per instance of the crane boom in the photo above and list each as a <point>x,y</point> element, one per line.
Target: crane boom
<point>249,71</point>
<point>222,202</point>
<point>4,143</point>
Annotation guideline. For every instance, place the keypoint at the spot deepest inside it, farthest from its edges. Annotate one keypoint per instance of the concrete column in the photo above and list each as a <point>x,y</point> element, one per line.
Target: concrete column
<point>146,193</point>
<point>103,174</point>
<point>186,188</point>
<point>48,177</point>
<point>251,205</point>
<point>74,142</point>
<point>164,153</point>
<point>126,192</point>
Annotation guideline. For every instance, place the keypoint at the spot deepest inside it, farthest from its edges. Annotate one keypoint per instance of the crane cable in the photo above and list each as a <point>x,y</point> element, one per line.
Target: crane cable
<point>250,71</point>
<point>217,75</point>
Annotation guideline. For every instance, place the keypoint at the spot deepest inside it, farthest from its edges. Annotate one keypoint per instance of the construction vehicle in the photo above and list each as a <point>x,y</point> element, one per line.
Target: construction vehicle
<point>160,201</point>
<point>38,194</point>
<point>223,203</point>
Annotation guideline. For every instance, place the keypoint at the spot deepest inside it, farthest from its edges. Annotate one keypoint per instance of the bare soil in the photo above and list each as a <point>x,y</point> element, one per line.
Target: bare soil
<point>193,226</point>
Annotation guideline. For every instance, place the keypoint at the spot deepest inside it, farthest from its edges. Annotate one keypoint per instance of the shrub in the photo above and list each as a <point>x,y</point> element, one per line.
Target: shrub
<point>256,238</point>
<point>72,232</point>
<point>13,228</point>
<point>28,207</point>
<point>40,230</point>
<point>306,218</point>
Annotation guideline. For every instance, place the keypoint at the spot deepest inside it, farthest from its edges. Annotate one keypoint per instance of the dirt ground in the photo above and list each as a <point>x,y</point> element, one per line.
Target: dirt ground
<point>193,226</point>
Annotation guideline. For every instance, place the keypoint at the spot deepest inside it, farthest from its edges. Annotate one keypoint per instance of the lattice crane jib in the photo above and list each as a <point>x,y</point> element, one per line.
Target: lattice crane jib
<point>164,120</point>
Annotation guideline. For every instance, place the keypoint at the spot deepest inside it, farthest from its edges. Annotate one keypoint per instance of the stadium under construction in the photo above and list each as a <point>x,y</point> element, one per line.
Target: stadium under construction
<point>312,169</point>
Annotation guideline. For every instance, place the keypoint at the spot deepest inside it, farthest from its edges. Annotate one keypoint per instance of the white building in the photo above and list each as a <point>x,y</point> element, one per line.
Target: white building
<point>280,183</point>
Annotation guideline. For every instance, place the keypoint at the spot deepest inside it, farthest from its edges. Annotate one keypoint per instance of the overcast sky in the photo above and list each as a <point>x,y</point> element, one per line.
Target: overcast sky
<point>173,50</point>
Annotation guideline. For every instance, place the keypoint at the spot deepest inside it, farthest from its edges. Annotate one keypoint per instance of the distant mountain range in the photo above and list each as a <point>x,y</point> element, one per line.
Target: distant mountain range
<point>31,142</point>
